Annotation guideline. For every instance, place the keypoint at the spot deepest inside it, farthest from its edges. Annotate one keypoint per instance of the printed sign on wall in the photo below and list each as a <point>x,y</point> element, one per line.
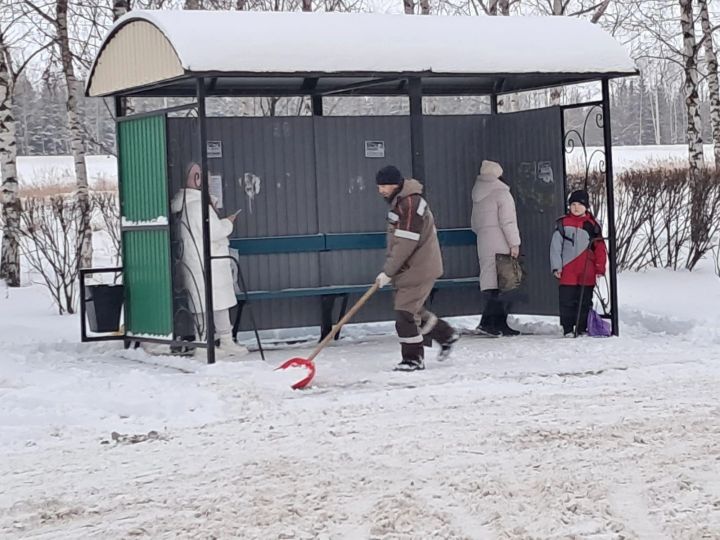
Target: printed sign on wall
<point>374,149</point>
<point>214,149</point>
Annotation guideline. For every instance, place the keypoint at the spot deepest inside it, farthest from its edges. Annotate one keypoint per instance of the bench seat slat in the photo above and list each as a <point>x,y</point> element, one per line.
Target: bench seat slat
<point>447,283</point>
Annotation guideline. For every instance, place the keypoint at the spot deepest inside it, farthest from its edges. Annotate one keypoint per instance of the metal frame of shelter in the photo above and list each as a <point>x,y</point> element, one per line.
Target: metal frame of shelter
<point>414,86</point>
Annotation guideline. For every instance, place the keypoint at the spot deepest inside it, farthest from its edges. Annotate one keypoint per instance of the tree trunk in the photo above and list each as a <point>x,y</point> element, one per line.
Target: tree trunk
<point>11,206</point>
<point>641,116</point>
<point>699,224</point>
<point>120,8</point>
<point>655,105</point>
<point>307,5</point>
<point>600,11</point>
<point>692,99</point>
<point>713,83</point>
<point>557,7</point>
<point>409,6</point>
<point>192,4</point>
<point>493,7</point>
<point>77,142</point>
<point>504,7</point>
<point>424,7</point>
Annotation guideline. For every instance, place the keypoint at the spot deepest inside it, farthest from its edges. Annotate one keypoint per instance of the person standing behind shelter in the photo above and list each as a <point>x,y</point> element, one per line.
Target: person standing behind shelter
<point>412,263</point>
<point>188,203</point>
<point>577,255</point>
<point>494,221</point>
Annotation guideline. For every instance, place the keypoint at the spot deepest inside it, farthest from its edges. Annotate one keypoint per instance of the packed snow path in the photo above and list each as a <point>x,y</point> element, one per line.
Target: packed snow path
<point>527,437</point>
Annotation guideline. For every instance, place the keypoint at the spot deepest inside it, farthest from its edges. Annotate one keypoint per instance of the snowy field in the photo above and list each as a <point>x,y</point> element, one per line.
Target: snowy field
<point>639,157</point>
<point>529,437</point>
<point>34,170</point>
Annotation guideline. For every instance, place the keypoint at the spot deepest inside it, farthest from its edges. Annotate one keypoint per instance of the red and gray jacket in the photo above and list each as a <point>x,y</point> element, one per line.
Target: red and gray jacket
<point>413,253</point>
<point>578,250</point>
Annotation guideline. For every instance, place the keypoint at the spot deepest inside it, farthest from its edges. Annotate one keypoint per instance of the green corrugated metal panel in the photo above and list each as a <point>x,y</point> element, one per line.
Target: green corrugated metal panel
<point>143,168</point>
<point>146,253</point>
<point>146,257</point>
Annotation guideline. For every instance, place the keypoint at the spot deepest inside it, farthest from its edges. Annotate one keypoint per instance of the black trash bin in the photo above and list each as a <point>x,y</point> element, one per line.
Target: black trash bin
<point>103,304</point>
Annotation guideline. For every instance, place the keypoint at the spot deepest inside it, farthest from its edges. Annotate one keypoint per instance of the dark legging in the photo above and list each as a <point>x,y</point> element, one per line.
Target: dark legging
<point>569,302</point>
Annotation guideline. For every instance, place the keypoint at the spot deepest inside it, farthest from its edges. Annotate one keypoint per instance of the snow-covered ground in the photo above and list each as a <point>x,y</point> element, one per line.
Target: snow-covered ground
<point>529,437</point>
<point>637,157</point>
<point>34,170</point>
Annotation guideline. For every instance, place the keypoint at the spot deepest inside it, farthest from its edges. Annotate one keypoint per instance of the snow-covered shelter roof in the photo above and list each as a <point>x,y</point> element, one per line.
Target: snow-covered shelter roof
<point>279,53</point>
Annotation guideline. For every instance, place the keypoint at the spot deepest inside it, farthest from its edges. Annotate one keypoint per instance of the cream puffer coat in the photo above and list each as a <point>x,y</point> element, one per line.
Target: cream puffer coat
<point>494,221</point>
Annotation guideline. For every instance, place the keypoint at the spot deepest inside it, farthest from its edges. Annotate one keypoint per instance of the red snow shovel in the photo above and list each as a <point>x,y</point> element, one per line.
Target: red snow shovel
<point>308,362</point>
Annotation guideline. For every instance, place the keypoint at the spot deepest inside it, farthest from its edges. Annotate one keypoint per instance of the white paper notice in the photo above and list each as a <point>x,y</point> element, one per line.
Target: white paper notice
<point>215,188</point>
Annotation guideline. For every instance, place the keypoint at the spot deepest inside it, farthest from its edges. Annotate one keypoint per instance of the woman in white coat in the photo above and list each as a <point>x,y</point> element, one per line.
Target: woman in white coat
<point>187,202</point>
<point>494,221</point>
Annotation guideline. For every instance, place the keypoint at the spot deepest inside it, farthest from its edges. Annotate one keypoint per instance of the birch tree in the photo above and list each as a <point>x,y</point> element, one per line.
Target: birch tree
<point>59,23</point>
<point>692,98</point>
<point>712,78</point>
<point>11,206</point>
<point>409,7</point>
<point>120,8</point>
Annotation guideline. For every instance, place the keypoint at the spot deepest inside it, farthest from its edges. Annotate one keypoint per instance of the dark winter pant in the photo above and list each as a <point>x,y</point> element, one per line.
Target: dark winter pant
<point>495,314</point>
<point>569,302</point>
<point>419,327</point>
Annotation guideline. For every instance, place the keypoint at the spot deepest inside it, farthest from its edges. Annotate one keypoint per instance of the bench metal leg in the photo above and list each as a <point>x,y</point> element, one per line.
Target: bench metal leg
<point>238,316</point>
<point>327,303</point>
<point>343,309</point>
<point>327,306</point>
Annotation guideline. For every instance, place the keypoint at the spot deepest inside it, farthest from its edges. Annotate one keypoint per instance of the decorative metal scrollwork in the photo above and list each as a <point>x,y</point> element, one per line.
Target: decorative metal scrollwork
<point>575,138</point>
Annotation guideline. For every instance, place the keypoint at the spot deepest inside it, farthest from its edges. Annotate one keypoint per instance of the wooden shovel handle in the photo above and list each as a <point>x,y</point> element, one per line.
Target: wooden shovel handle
<point>336,328</point>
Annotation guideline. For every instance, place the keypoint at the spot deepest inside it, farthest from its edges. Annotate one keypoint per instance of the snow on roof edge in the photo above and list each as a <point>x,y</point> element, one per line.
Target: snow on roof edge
<point>207,41</point>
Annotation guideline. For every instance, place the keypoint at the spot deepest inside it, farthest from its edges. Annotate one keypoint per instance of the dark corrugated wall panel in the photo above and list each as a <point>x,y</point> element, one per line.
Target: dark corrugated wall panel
<point>349,200</point>
<point>314,177</point>
<point>279,153</point>
<point>454,148</point>
<point>529,146</point>
<point>346,178</point>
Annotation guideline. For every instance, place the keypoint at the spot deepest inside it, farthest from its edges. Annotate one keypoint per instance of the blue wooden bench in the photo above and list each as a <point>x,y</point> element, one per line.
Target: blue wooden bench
<point>328,295</point>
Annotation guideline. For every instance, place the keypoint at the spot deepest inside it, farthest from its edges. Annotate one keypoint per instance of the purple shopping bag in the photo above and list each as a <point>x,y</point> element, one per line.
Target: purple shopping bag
<point>597,326</point>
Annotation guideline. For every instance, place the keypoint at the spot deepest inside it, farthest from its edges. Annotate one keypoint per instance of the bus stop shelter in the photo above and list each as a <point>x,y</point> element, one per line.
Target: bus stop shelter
<point>310,232</point>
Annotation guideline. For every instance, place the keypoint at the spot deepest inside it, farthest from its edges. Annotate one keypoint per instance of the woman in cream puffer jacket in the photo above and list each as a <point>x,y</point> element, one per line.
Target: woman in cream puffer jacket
<point>494,221</point>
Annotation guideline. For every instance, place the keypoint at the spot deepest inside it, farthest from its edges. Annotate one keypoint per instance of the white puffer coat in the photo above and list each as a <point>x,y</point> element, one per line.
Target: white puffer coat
<point>188,203</point>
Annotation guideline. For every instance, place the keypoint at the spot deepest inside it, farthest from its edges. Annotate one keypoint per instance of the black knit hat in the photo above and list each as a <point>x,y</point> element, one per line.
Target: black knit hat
<point>580,196</point>
<point>389,175</point>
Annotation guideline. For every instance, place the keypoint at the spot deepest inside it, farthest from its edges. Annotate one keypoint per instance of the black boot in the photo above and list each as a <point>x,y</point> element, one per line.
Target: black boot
<point>489,320</point>
<point>446,347</point>
<point>504,329</point>
<point>412,357</point>
<point>501,315</point>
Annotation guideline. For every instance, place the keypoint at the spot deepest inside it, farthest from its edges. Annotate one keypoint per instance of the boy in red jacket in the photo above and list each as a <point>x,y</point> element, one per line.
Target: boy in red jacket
<point>577,255</point>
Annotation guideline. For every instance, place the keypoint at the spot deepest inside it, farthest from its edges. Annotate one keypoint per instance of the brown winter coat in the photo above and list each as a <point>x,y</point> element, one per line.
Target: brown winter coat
<point>494,221</point>
<point>412,258</point>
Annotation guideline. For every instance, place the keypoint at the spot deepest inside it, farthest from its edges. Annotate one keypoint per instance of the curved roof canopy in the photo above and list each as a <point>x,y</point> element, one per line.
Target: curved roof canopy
<point>276,53</point>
